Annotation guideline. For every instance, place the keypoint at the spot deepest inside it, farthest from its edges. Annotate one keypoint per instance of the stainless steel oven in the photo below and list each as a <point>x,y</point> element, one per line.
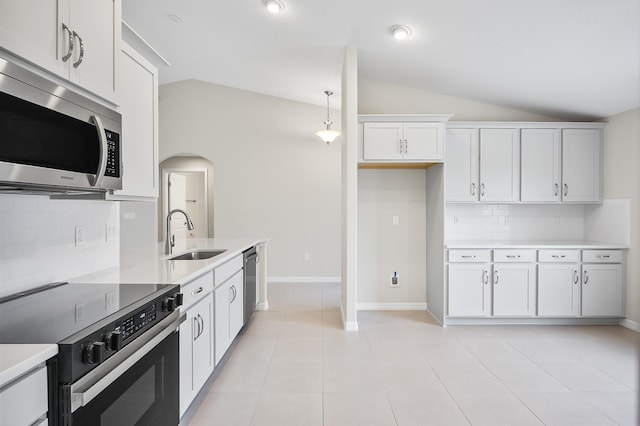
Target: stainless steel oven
<point>118,350</point>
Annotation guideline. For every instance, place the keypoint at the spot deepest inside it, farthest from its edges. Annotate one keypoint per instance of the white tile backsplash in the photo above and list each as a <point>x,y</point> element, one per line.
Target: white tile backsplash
<point>514,222</point>
<point>37,240</point>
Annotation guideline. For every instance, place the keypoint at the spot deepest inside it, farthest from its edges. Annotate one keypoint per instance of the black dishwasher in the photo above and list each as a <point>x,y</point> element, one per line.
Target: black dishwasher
<point>251,259</point>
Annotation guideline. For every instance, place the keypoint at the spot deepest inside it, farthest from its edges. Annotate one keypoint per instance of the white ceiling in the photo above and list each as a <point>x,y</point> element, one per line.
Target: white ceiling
<point>566,58</point>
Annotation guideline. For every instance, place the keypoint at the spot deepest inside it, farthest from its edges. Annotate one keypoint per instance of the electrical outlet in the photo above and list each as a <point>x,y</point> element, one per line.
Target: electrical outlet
<point>395,220</point>
<point>456,220</point>
<point>306,256</point>
<point>111,233</point>
<point>111,301</point>
<point>394,280</point>
<point>80,235</point>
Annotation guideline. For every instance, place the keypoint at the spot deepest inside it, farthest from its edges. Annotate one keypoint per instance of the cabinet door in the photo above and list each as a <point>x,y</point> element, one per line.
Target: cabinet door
<point>222,297</point>
<point>602,290</point>
<point>514,289</point>
<point>423,141</point>
<point>462,165</point>
<point>138,94</point>
<point>97,23</point>
<point>540,165</point>
<point>29,29</point>
<point>469,292</point>
<point>187,394</point>
<point>202,339</point>
<point>236,309</point>
<point>499,165</point>
<point>383,141</point>
<point>581,160</point>
<point>558,290</point>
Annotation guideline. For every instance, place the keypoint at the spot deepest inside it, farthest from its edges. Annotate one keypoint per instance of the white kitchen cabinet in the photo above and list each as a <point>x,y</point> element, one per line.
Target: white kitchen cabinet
<point>24,401</point>
<point>581,165</point>
<point>228,313</point>
<point>412,141</point>
<point>499,165</point>
<point>138,94</point>
<point>558,290</point>
<point>540,166</point>
<point>602,290</point>
<point>42,33</point>
<point>514,289</point>
<point>462,165</point>
<point>469,290</point>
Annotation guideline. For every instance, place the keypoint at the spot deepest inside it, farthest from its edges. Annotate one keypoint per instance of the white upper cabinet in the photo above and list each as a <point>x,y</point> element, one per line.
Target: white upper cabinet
<point>581,160</point>
<point>540,165</point>
<point>138,93</point>
<point>462,165</point>
<point>79,40</point>
<point>499,165</point>
<point>412,141</point>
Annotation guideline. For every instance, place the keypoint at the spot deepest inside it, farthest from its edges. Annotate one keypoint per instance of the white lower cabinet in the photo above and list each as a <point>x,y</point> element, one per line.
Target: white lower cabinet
<point>24,402</point>
<point>558,290</point>
<point>602,290</point>
<point>229,303</point>
<point>514,290</point>
<point>469,292</point>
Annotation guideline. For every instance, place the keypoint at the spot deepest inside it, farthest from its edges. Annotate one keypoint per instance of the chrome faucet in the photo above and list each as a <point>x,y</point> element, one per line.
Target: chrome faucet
<point>170,240</point>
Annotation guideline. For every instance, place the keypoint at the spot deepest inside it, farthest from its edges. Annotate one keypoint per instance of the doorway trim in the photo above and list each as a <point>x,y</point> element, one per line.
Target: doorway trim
<point>165,194</point>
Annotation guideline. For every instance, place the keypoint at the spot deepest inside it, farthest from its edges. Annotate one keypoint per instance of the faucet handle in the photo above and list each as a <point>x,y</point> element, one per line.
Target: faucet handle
<point>173,240</point>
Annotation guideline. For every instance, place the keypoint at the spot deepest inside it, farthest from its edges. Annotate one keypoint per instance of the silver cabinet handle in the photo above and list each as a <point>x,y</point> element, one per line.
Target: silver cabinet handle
<point>406,146</point>
<point>104,153</point>
<point>513,256</point>
<point>66,57</point>
<point>234,293</point>
<point>400,146</point>
<point>482,189</point>
<point>468,256</point>
<point>195,328</point>
<point>586,277</point>
<point>485,277</point>
<point>575,277</point>
<point>603,256</point>
<point>566,189</point>
<point>77,63</point>
<point>496,277</point>
<point>199,290</point>
<point>558,256</point>
<point>473,188</point>
<point>556,189</point>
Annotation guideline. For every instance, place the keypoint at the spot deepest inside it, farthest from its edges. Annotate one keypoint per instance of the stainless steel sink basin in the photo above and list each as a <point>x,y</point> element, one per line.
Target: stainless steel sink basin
<point>197,255</point>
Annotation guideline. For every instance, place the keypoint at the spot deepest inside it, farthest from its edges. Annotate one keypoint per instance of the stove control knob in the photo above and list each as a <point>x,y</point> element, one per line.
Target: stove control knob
<point>113,340</point>
<point>179,299</point>
<point>94,353</point>
<point>169,304</point>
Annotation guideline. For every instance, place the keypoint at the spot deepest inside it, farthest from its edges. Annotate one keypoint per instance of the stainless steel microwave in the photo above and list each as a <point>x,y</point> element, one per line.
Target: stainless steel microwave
<point>54,140</point>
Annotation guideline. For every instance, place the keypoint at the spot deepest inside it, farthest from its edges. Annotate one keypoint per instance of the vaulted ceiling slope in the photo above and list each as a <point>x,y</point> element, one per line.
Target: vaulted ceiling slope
<point>554,57</point>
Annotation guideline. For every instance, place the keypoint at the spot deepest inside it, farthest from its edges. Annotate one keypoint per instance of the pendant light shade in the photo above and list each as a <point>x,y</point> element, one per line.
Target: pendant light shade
<point>328,135</point>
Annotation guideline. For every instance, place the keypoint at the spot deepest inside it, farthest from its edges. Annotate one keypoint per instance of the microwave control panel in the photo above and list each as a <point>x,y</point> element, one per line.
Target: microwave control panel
<point>113,154</point>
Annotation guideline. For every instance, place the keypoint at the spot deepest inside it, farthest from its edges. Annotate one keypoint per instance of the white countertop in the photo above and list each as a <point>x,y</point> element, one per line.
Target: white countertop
<point>531,244</point>
<point>16,360</point>
<point>151,266</point>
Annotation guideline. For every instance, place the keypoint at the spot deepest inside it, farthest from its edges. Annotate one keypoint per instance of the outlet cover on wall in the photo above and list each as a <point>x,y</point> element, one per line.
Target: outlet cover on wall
<point>306,256</point>
<point>394,280</point>
<point>111,233</point>
<point>80,235</point>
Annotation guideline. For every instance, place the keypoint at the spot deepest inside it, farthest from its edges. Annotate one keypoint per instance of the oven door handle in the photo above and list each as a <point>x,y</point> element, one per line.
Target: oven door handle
<point>96,381</point>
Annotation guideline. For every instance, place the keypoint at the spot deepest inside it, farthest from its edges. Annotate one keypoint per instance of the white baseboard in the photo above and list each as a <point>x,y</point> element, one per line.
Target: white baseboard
<point>348,325</point>
<point>303,280</point>
<point>262,306</point>
<point>392,306</point>
<point>631,325</point>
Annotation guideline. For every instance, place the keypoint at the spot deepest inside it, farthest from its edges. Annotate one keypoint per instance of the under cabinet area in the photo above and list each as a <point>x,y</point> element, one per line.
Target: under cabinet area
<point>530,283</point>
<point>77,40</point>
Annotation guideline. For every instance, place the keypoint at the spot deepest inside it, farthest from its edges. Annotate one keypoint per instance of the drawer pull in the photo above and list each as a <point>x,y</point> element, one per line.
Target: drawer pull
<point>603,256</point>
<point>496,278</point>
<point>199,290</point>
<point>586,277</point>
<point>485,275</point>
<point>575,277</point>
<point>513,256</point>
<point>559,256</point>
<point>468,256</point>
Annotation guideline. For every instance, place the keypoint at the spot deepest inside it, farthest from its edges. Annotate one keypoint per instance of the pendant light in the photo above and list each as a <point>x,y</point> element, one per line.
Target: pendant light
<point>327,134</point>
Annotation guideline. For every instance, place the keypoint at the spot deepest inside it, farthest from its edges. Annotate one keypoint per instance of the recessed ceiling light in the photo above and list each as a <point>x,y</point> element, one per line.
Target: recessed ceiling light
<point>274,6</point>
<point>174,18</point>
<point>401,32</point>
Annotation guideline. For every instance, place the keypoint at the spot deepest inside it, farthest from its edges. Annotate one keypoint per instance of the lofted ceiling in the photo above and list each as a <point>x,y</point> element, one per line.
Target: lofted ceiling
<point>565,58</point>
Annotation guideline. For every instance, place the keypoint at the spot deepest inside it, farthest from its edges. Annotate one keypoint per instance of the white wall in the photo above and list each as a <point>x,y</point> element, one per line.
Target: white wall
<point>37,240</point>
<point>622,181</point>
<point>273,177</point>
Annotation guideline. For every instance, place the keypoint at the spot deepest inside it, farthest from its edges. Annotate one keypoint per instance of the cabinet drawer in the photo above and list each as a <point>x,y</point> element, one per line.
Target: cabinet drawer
<point>469,256</point>
<point>225,271</point>
<point>602,256</point>
<point>558,256</point>
<point>197,289</point>
<point>504,255</point>
<point>25,401</point>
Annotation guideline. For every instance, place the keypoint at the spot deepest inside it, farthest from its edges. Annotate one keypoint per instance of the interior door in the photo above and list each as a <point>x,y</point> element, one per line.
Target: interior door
<point>177,199</point>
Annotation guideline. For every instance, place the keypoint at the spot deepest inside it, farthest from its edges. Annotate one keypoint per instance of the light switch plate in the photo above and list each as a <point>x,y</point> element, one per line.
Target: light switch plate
<point>80,235</point>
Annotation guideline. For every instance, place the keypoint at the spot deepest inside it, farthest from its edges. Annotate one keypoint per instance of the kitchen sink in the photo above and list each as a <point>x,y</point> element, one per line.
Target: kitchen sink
<point>197,255</point>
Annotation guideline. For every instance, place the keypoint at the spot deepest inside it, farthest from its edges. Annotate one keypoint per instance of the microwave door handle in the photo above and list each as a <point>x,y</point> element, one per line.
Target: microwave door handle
<point>102,137</point>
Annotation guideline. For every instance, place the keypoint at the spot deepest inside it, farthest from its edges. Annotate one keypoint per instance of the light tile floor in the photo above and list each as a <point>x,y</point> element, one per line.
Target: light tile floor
<point>295,365</point>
